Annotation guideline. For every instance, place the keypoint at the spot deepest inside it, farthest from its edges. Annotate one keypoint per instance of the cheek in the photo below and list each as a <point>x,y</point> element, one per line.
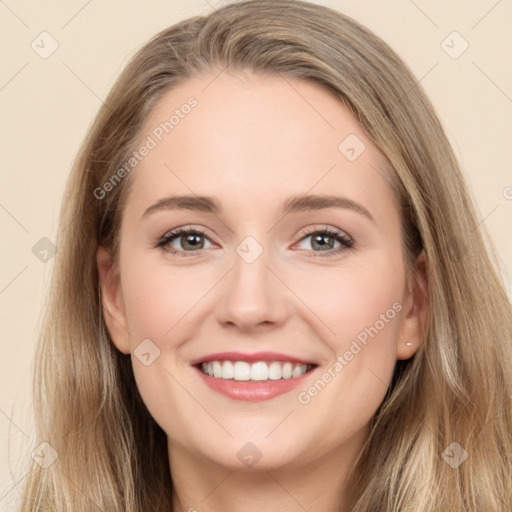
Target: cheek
<point>157,300</point>
<point>360,308</point>
<point>353,299</point>
<point>156,304</point>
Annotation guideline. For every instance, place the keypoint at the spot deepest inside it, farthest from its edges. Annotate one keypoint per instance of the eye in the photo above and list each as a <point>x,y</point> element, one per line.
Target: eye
<point>187,240</point>
<point>323,241</point>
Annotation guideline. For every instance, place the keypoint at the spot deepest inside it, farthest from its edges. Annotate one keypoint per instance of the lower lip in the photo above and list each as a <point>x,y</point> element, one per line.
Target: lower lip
<point>253,391</point>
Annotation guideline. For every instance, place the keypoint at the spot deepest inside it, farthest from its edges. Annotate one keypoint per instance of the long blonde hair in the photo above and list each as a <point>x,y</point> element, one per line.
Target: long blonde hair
<point>456,389</point>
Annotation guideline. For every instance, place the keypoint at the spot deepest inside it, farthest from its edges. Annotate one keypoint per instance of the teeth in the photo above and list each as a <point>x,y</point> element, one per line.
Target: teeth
<point>287,370</point>
<point>217,369</point>
<point>261,370</point>
<point>228,370</point>
<point>242,371</point>
<point>274,370</point>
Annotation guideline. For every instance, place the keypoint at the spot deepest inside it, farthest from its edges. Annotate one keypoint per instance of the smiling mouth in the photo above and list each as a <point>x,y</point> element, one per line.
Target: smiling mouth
<point>254,372</point>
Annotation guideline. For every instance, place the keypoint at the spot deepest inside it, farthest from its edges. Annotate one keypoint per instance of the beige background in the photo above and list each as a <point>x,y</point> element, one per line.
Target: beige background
<point>48,104</point>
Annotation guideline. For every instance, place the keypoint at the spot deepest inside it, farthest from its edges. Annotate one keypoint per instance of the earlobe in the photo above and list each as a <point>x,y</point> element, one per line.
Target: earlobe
<point>416,311</point>
<point>111,300</point>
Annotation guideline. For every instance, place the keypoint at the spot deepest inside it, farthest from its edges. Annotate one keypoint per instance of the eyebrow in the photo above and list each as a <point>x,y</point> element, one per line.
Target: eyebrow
<point>294,204</point>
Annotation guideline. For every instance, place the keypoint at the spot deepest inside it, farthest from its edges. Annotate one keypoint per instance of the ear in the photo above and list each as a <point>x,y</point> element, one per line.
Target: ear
<point>416,310</point>
<point>112,300</point>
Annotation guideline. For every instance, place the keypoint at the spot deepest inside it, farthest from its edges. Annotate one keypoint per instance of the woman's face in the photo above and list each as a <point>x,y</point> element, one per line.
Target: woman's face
<point>256,286</point>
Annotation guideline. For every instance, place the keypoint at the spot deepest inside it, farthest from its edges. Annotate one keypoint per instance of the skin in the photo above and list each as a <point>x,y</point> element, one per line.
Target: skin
<point>252,141</point>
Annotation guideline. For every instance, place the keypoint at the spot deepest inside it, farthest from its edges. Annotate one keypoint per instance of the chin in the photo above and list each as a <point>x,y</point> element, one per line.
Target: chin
<point>256,452</point>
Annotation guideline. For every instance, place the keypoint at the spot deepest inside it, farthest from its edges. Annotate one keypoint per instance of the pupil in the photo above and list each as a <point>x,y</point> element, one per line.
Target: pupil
<point>191,241</point>
<point>320,238</point>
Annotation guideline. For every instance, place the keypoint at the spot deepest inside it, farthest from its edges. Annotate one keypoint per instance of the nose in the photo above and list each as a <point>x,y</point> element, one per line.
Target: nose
<point>254,296</point>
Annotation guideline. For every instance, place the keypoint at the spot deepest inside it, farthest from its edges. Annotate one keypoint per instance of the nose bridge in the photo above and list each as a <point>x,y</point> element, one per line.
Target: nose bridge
<point>252,294</point>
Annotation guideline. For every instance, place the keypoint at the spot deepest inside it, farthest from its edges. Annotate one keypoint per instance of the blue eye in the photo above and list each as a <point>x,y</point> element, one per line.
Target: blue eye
<point>193,240</point>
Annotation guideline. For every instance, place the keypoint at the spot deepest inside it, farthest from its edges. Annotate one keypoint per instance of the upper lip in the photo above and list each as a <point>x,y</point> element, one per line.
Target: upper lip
<point>249,358</point>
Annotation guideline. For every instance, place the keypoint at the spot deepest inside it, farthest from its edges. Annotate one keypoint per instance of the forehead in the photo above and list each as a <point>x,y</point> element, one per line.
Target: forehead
<point>245,136</point>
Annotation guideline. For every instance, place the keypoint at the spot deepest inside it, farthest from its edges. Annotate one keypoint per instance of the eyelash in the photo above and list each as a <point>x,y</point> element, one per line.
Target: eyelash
<point>345,241</point>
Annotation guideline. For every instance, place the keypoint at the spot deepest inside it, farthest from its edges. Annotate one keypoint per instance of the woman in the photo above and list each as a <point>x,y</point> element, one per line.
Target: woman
<point>272,290</point>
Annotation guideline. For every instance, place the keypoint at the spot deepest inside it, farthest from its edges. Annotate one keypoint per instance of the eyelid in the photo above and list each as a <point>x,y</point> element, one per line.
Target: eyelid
<point>324,228</point>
